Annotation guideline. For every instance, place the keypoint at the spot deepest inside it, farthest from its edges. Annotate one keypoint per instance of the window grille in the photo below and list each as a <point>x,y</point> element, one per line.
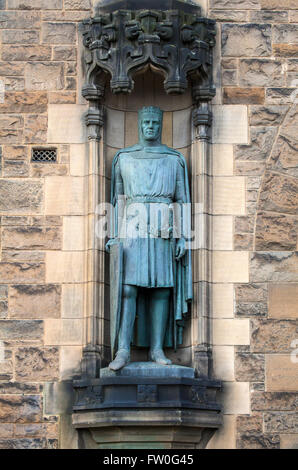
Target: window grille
<point>44,155</point>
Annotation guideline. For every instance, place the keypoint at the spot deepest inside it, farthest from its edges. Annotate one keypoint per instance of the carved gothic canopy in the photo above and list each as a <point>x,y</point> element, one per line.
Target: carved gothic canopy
<point>125,36</point>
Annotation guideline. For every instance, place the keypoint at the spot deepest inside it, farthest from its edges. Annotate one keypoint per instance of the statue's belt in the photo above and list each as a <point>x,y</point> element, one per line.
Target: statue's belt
<point>161,200</point>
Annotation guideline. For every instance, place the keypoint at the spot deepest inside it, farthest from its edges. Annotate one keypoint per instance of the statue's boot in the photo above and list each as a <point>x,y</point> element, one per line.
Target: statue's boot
<point>121,359</point>
<point>159,319</point>
<point>128,315</point>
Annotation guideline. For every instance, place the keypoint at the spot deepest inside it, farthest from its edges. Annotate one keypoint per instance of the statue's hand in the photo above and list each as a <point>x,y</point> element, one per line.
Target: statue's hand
<point>180,249</point>
<point>111,242</point>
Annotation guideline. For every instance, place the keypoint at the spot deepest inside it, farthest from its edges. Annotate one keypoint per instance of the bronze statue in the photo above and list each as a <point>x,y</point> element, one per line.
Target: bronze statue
<point>154,282</point>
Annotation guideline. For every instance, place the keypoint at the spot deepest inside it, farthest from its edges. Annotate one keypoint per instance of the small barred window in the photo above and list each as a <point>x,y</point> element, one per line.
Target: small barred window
<point>44,155</point>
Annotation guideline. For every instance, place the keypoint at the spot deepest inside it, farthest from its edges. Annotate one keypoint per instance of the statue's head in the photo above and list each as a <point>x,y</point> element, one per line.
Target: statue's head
<point>150,124</point>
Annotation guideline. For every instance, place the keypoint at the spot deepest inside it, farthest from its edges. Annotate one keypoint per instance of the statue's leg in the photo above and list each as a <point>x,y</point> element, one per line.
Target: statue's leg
<point>159,312</point>
<point>128,315</point>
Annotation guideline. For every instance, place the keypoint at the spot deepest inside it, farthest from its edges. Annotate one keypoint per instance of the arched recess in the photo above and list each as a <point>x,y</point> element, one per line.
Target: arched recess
<point>135,57</point>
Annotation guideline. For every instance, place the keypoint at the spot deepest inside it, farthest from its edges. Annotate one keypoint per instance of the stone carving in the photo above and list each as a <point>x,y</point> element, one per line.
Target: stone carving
<point>177,41</point>
<point>157,281</point>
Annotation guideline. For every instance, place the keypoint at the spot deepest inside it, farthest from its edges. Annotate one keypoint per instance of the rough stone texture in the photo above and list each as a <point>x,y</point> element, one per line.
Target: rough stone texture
<point>27,102</point>
<point>270,401</point>
<point>284,33</point>
<point>274,266</point>
<point>19,19</point>
<point>276,232</point>
<point>37,364</point>
<point>281,422</point>
<point>77,4</point>
<point>279,193</point>
<point>258,441</point>
<point>236,95</point>
<point>44,238</point>
<point>262,139</point>
<point>35,4</point>
<point>237,4</point>
<point>22,272</point>
<point>36,128</point>
<point>267,115</point>
<point>246,40</point>
<point>19,197</point>
<point>251,309</point>
<point>228,15</point>
<point>35,301</point>
<point>20,409</point>
<point>251,292</point>
<point>44,76</point>
<point>260,72</point>
<point>249,367</point>
<point>26,52</point>
<point>285,50</point>
<point>268,16</point>
<point>272,336</point>
<point>276,4</point>
<point>58,33</point>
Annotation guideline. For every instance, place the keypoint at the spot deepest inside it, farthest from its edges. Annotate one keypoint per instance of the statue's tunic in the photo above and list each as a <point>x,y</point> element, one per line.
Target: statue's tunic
<point>150,178</point>
<point>153,175</point>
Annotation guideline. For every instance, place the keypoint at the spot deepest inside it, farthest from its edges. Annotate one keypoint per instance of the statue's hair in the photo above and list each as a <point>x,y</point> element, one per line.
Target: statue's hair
<point>151,110</point>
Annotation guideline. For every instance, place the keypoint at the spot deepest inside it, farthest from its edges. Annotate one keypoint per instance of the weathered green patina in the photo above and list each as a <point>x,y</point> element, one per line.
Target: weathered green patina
<point>157,278</point>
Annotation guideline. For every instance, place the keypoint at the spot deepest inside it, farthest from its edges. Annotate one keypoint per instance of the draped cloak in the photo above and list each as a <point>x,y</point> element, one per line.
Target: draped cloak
<point>169,273</point>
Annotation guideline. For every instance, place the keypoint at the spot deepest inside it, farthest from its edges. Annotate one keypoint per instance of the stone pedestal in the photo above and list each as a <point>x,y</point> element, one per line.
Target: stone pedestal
<point>146,406</point>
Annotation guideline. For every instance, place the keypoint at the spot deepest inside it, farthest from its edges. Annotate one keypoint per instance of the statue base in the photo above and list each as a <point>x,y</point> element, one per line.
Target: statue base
<point>146,406</point>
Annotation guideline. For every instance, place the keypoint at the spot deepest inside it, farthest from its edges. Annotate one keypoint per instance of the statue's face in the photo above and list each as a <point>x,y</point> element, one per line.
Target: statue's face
<point>151,127</point>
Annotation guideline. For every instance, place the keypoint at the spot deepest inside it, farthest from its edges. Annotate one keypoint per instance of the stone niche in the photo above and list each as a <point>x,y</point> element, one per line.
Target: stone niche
<point>139,53</point>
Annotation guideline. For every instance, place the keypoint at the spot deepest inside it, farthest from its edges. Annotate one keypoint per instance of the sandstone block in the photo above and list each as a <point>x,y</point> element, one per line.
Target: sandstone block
<point>280,95</point>
<point>20,37</point>
<point>267,16</point>
<point>11,68</point>
<point>273,401</point>
<point>274,266</point>
<point>248,168</point>
<point>64,195</point>
<point>289,441</point>
<point>77,4</point>
<point>223,363</point>
<point>244,224</point>
<point>262,139</point>
<point>12,169</point>
<point>222,232</point>
<point>62,97</point>
<point>25,329</point>
<point>58,33</point>
<point>249,367</point>
<point>222,301</point>
<point>276,5</point>
<point>251,292</point>
<point>251,309</point>
<point>281,422</point>
<point>24,53</point>
<point>44,76</point>
<point>37,443</point>
<point>10,136</point>
<point>70,362</point>
<point>24,102</point>
<point>258,441</point>
<point>260,72</point>
<point>15,152</point>
<point>20,19</point>
<point>20,388</point>
<point>20,409</point>
<point>72,300</point>
<point>275,232</point>
<point>64,53</point>
<point>229,195</point>
<point>14,84</point>
<point>229,77</point>
<point>35,301</point>
<point>35,4</point>
<point>37,364</point>
<point>11,121</point>
<point>66,124</point>
<point>285,50</point>
<point>230,332</point>
<point>284,33</point>
<point>224,438</point>
<point>39,170</point>
<point>283,301</point>
<point>235,398</point>
<point>250,424</point>
<point>73,233</point>
<point>6,430</point>
<point>284,153</point>
<point>246,40</point>
<point>35,129</point>
<point>223,160</point>
<point>237,95</point>
<point>22,272</point>
<point>243,241</point>
<point>65,267</point>
<point>20,196</point>
<point>279,193</point>
<point>267,115</point>
<point>273,336</point>
<point>237,4</point>
<point>229,15</point>
<point>229,124</point>
<point>281,373</point>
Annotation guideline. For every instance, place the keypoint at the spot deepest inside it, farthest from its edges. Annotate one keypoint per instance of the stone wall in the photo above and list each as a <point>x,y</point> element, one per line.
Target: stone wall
<point>255,185</point>
<point>44,212</point>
